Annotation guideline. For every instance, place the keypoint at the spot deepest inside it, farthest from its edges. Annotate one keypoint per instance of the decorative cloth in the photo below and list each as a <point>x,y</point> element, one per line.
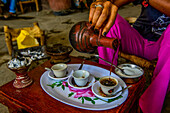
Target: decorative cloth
<point>151,23</point>
<point>26,40</point>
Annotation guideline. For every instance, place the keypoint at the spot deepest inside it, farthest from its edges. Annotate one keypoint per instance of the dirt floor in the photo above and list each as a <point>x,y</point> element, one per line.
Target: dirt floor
<point>57,32</point>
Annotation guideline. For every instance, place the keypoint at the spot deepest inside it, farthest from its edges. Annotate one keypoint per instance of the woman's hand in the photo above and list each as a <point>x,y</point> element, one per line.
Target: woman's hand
<point>102,14</point>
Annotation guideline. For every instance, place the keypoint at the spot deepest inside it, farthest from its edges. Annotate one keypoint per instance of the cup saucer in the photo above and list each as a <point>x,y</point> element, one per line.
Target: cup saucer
<point>96,89</point>
<point>69,73</point>
<point>90,82</point>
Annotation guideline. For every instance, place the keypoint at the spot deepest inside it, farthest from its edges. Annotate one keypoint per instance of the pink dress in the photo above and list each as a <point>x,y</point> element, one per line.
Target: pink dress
<point>133,43</point>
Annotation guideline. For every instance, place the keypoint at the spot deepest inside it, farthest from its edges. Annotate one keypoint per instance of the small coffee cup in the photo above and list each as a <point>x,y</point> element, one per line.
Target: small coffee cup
<point>108,85</point>
<point>81,77</point>
<point>59,70</point>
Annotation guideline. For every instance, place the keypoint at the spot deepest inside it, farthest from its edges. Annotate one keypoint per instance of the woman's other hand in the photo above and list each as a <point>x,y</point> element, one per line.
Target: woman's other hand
<point>102,14</point>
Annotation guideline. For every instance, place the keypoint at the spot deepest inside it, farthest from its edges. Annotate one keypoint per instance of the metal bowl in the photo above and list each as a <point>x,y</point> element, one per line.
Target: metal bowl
<point>138,73</point>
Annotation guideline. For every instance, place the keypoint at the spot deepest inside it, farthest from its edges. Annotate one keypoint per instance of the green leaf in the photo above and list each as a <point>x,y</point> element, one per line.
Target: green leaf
<point>79,98</point>
<point>63,87</point>
<point>92,101</point>
<point>60,81</point>
<point>69,95</point>
<point>97,78</point>
<point>87,98</point>
<point>96,99</point>
<point>111,100</point>
<point>66,84</point>
<point>103,100</point>
<point>52,85</point>
<point>59,84</point>
<point>82,100</point>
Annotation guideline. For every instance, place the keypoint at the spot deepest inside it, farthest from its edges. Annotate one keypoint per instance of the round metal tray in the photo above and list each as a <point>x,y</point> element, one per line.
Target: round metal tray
<point>130,78</point>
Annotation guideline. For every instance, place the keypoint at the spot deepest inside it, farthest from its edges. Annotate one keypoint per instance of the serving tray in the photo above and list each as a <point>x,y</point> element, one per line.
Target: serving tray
<point>85,99</point>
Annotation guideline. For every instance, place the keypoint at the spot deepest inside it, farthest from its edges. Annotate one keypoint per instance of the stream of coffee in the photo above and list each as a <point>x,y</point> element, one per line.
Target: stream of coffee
<point>111,67</point>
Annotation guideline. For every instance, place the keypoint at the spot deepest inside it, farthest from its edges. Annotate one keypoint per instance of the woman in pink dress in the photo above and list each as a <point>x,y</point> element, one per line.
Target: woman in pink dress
<point>148,38</point>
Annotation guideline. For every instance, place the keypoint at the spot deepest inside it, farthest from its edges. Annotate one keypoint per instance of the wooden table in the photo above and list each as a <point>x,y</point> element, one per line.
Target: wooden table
<point>34,99</point>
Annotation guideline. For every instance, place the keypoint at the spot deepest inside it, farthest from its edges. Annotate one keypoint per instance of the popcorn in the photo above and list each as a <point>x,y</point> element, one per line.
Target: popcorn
<point>18,62</point>
<point>33,54</point>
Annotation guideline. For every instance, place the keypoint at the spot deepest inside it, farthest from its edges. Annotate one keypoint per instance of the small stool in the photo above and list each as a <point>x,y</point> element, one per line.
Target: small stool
<point>28,2</point>
<point>11,35</point>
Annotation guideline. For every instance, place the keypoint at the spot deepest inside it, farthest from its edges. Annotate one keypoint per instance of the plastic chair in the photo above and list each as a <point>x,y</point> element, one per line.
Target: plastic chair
<point>11,35</point>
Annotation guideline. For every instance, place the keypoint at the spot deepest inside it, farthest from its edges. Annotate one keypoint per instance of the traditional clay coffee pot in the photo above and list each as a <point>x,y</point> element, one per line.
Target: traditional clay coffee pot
<point>83,38</point>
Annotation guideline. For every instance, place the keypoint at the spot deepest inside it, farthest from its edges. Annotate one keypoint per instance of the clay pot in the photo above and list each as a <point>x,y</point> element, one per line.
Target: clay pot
<point>83,38</point>
<point>22,79</point>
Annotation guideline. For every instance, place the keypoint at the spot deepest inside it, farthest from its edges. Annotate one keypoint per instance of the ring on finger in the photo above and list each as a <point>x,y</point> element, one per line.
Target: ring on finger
<point>99,6</point>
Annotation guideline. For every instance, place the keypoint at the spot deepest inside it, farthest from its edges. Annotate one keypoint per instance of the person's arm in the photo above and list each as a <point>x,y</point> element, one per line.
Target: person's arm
<point>120,3</point>
<point>161,5</point>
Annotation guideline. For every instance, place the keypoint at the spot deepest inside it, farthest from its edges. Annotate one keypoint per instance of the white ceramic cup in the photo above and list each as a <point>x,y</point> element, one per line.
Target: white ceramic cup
<point>81,77</point>
<point>108,85</point>
<point>59,70</point>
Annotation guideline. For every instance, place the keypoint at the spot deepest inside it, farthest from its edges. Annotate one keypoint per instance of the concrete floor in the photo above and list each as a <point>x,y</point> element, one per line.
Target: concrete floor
<point>48,22</point>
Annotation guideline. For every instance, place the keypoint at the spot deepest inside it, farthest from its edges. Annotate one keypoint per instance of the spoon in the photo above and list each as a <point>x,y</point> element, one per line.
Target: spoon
<point>81,66</point>
<point>120,90</point>
<point>49,69</point>
<point>122,70</point>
